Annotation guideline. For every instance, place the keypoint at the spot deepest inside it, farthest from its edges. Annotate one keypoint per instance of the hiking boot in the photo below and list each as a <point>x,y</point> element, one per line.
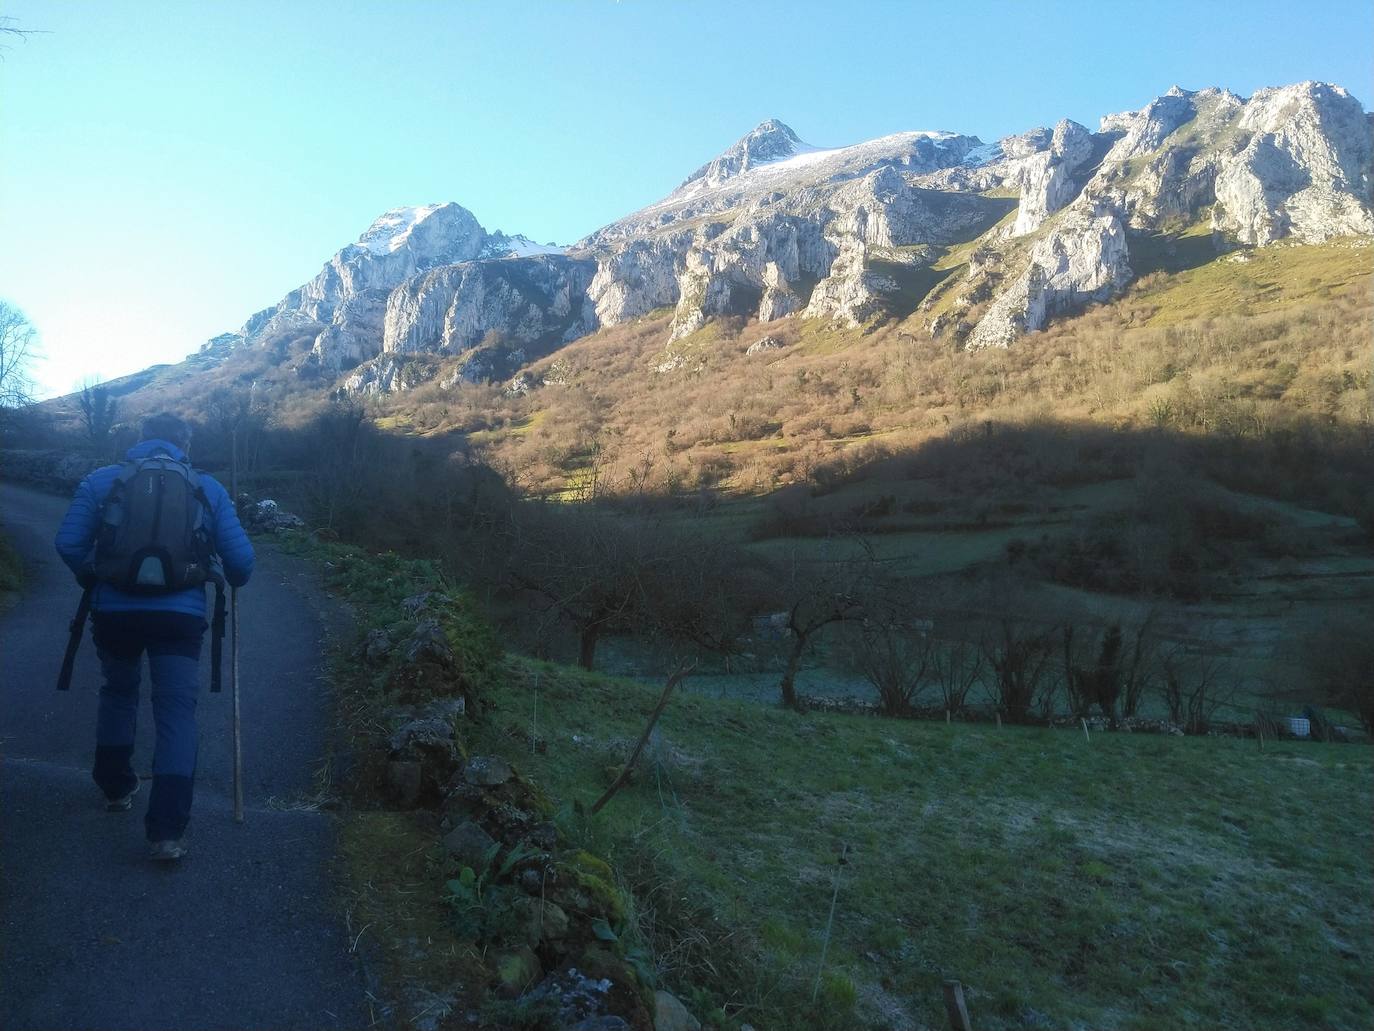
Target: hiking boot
<point>123,803</point>
<point>166,851</point>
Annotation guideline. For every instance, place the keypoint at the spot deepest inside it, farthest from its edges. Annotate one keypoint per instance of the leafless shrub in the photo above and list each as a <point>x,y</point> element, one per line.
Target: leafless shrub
<point>1196,681</point>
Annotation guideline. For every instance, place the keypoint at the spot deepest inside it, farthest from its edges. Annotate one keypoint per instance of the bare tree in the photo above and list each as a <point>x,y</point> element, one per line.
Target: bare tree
<point>337,437</point>
<point>956,664</point>
<point>819,592</point>
<point>16,354</point>
<point>1093,673</point>
<point>894,656</point>
<point>10,30</point>
<point>1196,682</point>
<point>891,644</point>
<point>587,567</point>
<point>238,417</point>
<point>705,591</point>
<point>1139,668</point>
<point>603,572</point>
<point>1018,651</point>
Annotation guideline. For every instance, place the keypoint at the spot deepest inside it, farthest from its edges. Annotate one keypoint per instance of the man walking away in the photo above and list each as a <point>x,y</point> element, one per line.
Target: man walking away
<point>144,537</point>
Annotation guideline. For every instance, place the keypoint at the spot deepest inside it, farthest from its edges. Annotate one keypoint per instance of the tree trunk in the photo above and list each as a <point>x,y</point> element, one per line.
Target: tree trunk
<point>789,676</point>
<point>587,649</point>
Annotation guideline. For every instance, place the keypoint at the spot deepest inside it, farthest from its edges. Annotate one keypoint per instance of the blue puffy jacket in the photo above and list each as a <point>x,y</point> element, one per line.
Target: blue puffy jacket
<point>76,538</point>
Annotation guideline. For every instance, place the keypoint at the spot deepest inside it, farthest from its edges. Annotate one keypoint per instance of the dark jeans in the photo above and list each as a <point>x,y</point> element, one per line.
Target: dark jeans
<point>172,641</point>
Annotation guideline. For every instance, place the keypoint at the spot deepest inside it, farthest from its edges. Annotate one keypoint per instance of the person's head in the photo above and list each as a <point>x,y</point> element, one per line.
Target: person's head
<point>171,428</point>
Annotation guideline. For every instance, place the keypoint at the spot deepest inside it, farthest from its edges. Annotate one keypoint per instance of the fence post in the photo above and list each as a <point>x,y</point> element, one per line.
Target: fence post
<point>955,1008</point>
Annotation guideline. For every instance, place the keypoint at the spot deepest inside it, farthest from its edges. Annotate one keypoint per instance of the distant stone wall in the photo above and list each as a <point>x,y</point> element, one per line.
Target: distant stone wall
<point>53,470</point>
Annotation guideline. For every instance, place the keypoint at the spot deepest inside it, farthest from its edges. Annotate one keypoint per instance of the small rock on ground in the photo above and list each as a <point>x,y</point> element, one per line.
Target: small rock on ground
<point>487,770</point>
<point>469,844</point>
<point>671,1015</point>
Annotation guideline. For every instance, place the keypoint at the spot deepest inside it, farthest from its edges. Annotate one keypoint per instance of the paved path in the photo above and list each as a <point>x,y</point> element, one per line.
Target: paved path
<point>245,932</point>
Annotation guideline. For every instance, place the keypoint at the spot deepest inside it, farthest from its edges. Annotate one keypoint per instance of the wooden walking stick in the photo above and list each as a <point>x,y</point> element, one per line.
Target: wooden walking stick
<point>234,639</point>
<point>234,690</point>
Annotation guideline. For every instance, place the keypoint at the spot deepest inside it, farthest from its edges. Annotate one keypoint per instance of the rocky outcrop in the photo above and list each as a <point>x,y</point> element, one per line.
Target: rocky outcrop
<point>1144,131</point>
<point>851,294</point>
<point>343,309</point>
<point>634,279</point>
<point>1081,258</point>
<point>754,267</point>
<point>497,314</point>
<point>1301,167</point>
<point>348,297</point>
<point>388,374</point>
<point>1048,178</point>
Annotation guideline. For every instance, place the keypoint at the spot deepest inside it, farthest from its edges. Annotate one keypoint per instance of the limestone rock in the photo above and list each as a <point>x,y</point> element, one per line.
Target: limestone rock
<point>581,1000</point>
<point>348,297</point>
<point>266,516</point>
<point>469,844</point>
<point>1303,170</point>
<point>764,344</point>
<point>1048,178</point>
<point>487,770</point>
<point>1084,258</point>
<point>671,1015</point>
<point>769,141</point>
<point>388,374</point>
<point>428,643</point>
<point>497,314</point>
<point>425,739</point>
<point>633,279</point>
<point>540,920</point>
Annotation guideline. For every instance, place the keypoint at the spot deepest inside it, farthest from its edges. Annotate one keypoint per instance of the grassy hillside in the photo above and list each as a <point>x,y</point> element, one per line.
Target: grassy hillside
<point>1114,883</point>
<point>1117,881</point>
<point>1241,344</point>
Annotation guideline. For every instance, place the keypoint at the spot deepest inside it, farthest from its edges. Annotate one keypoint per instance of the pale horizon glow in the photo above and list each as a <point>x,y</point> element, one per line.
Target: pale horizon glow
<point>173,168</point>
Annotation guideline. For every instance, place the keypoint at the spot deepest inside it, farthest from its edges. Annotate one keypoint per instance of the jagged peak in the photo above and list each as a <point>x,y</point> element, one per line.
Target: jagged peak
<point>770,140</point>
<point>392,229</point>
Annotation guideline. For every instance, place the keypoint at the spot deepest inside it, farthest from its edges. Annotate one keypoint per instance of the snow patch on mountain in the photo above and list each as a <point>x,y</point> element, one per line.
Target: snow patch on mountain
<point>392,229</point>
<point>499,245</point>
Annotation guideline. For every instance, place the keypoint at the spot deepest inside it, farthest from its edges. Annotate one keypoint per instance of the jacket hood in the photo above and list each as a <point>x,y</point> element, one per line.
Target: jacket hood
<point>151,447</point>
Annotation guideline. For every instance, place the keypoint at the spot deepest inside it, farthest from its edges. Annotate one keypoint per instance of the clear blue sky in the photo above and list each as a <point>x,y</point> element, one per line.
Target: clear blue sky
<point>171,167</point>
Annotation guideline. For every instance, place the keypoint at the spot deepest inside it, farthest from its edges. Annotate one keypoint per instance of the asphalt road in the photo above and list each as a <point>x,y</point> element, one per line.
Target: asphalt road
<point>246,931</point>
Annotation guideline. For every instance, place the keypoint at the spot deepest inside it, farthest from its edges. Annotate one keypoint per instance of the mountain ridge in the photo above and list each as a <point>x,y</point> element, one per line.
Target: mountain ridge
<point>773,228</point>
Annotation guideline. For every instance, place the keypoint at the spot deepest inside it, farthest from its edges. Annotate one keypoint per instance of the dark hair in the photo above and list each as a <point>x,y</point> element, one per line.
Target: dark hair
<point>166,426</point>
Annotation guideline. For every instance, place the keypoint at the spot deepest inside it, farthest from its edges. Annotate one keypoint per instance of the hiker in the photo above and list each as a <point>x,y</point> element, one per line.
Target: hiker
<point>148,594</point>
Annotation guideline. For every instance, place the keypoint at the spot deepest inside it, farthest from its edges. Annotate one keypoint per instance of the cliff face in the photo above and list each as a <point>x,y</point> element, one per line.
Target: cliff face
<point>1290,163</point>
<point>774,228</point>
<point>344,307</point>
